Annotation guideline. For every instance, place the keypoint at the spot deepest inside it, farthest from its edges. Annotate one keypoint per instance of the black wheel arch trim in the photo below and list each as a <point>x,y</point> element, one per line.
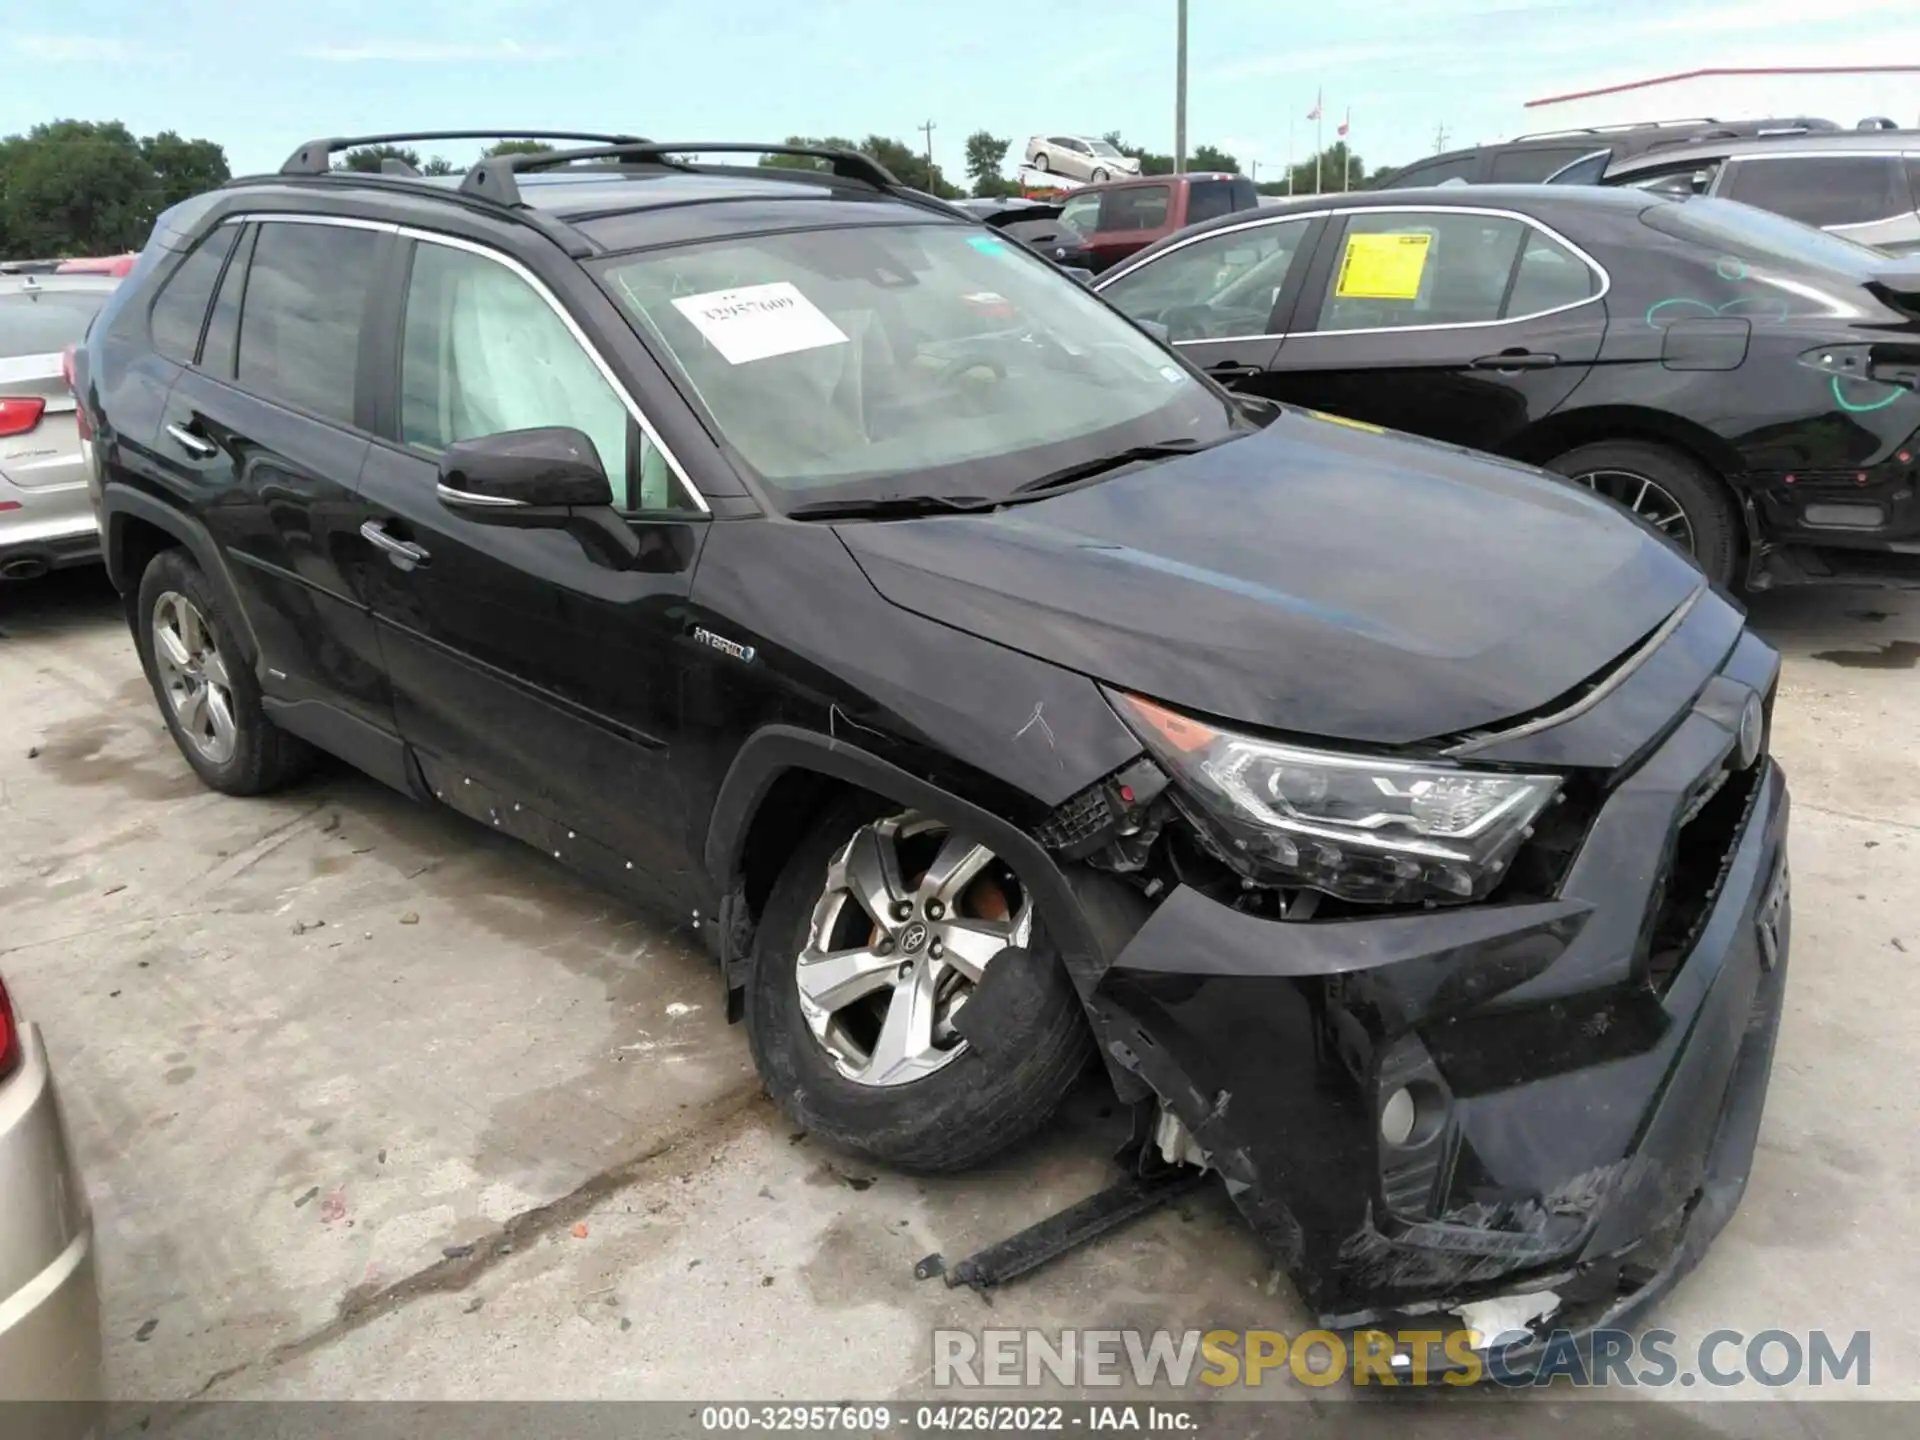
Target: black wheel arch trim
<point>119,500</point>
<point>1085,914</point>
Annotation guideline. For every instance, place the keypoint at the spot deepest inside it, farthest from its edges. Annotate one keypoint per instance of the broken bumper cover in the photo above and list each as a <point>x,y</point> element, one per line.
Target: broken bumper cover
<point>1419,1112</point>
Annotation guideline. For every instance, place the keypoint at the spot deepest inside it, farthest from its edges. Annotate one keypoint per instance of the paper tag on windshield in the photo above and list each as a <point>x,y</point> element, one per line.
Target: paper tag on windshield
<point>759,321</point>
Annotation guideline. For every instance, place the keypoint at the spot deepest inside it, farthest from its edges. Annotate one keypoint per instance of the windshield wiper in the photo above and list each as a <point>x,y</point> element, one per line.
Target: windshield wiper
<point>890,507</point>
<point>1086,469</point>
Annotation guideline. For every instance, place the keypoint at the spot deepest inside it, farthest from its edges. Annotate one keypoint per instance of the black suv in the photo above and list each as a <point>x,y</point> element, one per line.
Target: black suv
<point>990,689</point>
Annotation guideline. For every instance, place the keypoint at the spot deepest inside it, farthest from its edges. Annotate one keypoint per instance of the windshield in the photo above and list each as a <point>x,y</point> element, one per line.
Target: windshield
<point>1760,235</point>
<point>882,361</point>
<point>1101,147</point>
<point>45,322</point>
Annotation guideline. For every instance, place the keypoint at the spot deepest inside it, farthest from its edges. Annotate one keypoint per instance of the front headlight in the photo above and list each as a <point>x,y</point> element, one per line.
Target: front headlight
<point>1359,827</point>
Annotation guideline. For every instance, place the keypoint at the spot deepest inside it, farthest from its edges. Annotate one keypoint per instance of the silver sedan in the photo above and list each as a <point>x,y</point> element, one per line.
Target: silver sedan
<point>1080,157</point>
<point>46,518</point>
<point>49,1301</point>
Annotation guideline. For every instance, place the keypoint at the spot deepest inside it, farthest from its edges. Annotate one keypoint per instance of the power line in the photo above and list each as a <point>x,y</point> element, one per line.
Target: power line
<point>1439,138</point>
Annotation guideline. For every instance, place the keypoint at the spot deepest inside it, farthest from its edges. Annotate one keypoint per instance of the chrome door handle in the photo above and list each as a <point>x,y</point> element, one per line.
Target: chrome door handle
<point>195,445</point>
<point>403,553</point>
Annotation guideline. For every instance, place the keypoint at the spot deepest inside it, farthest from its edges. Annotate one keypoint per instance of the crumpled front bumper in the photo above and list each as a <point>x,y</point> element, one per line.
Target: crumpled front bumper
<point>1584,1114</point>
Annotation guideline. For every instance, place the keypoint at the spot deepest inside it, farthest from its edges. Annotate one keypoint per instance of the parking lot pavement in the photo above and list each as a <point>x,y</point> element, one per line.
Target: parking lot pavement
<point>372,1103</point>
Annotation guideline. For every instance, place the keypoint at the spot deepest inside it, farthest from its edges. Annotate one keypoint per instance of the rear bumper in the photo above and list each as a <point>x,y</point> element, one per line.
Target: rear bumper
<point>1586,1100</point>
<point>50,1312</point>
<point>45,529</point>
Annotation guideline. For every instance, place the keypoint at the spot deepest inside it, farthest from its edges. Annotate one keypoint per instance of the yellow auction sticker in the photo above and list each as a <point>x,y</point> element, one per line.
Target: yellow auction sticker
<point>1382,267</point>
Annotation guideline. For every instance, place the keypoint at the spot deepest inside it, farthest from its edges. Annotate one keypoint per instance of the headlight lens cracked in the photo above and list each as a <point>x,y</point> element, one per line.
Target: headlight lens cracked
<point>1356,826</point>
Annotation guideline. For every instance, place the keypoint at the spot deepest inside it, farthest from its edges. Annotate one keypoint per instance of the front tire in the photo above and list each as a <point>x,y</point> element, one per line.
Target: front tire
<point>1099,175</point>
<point>207,692</point>
<point>877,934</point>
<point>1666,489</point>
<point>1040,162</point>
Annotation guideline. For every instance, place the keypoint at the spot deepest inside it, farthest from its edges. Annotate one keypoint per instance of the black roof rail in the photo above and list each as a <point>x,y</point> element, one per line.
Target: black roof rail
<point>493,178</point>
<point>316,156</point>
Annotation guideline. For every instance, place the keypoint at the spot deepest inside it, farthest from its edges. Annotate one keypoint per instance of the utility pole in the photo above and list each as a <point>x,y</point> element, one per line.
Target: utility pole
<point>927,130</point>
<point>1439,138</point>
<point>1180,92</point>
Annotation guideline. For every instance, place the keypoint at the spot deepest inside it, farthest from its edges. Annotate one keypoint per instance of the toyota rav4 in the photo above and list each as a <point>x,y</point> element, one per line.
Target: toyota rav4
<point>994,692</point>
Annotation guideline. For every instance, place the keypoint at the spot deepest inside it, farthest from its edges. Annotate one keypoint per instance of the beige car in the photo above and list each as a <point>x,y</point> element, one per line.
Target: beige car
<point>49,1303</point>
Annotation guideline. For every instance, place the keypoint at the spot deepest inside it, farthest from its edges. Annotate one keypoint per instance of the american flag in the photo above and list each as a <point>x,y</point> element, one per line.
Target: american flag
<point>1314,113</point>
<point>1345,121</point>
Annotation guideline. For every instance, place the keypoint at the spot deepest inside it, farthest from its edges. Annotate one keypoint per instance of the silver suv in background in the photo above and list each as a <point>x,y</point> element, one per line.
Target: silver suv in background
<point>46,518</point>
<point>1862,185</point>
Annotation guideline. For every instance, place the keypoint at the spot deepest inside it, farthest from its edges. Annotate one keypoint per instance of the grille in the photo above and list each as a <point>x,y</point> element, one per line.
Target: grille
<point>1077,820</point>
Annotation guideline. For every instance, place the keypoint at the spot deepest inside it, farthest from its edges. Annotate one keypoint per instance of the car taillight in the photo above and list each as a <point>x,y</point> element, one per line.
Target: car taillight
<point>9,1036</point>
<point>81,421</point>
<point>18,415</point>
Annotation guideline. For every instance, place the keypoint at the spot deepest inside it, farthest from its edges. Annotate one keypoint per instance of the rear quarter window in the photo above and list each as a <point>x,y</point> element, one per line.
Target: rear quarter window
<point>1531,166</point>
<point>180,310</point>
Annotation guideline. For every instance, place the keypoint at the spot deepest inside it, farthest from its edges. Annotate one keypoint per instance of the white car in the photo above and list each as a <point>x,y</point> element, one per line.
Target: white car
<point>1079,157</point>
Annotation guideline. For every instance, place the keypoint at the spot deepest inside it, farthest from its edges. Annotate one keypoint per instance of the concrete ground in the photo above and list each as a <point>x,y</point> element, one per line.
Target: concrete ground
<point>374,1104</point>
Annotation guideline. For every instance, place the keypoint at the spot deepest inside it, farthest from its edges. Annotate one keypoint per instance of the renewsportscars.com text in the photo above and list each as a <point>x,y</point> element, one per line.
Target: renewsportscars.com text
<point>1252,1358</point>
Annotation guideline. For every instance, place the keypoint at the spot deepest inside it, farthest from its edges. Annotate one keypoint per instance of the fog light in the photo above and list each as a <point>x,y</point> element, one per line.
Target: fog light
<point>1412,1115</point>
<point>1845,517</point>
<point>1397,1117</point>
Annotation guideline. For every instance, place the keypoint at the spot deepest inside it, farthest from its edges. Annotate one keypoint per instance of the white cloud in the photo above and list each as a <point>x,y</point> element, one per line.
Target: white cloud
<point>433,52</point>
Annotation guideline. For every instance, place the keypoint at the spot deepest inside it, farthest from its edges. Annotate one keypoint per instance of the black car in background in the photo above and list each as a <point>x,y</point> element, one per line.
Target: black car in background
<point>1863,186</point>
<point>1743,382</point>
<point>1529,159</point>
<point>798,557</point>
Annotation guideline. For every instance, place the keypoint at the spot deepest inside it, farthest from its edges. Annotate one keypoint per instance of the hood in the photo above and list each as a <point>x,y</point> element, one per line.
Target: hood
<point>1313,578</point>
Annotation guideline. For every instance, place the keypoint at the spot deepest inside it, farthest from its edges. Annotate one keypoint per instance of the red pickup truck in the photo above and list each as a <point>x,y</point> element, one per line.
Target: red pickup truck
<point>1121,217</point>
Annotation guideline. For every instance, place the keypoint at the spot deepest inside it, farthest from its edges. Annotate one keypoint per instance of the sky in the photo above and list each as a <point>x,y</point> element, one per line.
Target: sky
<point>261,78</point>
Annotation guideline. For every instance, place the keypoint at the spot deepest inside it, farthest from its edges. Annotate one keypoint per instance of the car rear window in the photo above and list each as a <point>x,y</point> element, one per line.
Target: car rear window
<point>1210,199</point>
<point>1823,189</point>
<point>1137,207</point>
<point>45,322</point>
<point>1436,172</point>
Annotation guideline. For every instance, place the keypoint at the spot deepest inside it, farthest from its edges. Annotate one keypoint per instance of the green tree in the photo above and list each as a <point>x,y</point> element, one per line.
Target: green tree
<point>183,168</point>
<point>367,158</point>
<point>908,165</point>
<point>516,147</point>
<point>75,187</point>
<point>1327,176</point>
<point>439,165</point>
<point>1206,157</point>
<point>986,153</point>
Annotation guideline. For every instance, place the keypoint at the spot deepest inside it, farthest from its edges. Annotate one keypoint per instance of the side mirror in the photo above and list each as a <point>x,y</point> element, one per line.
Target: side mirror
<point>553,467</point>
<point>545,479</point>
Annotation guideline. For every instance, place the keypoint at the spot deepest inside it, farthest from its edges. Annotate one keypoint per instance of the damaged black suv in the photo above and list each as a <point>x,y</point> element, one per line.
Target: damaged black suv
<point>1395,824</point>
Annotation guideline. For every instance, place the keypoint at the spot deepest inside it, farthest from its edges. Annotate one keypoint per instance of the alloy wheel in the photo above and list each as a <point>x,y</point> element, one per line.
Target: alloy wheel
<point>193,673</point>
<point>911,915</point>
<point>1644,497</point>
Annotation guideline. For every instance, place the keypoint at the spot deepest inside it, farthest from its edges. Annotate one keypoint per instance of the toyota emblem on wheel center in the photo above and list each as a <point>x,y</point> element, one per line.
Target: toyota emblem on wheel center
<point>913,937</point>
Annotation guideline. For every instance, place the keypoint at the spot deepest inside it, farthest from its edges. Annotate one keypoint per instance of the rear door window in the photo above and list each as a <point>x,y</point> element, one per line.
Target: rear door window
<point>1822,189</point>
<point>1435,172</point>
<point>1532,165</point>
<point>45,322</point>
<point>180,310</point>
<point>300,323</point>
<point>1448,268</point>
<point>1137,207</point>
